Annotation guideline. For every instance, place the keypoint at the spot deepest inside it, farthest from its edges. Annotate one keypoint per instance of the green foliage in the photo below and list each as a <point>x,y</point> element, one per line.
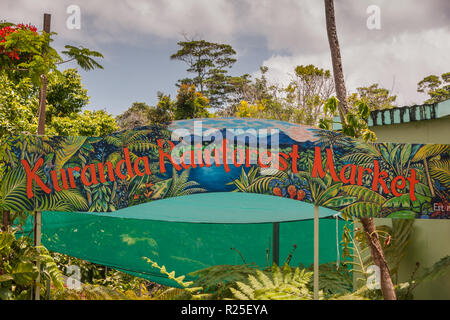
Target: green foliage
<point>309,91</point>
<point>36,56</point>
<point>334,281</point>
<point>181,186</point>
<point>374,97</point>
<point>18,267</point>
<point>65,94</point>
<point>22,76</point>
<point>254,182</point>
<point>209,62</point>
<point>101,276</point>
<point>301,101</point>
<point>437,88</point>
<point>140,114</point>
<point>87,123</point>
<point>190,103</point>
<point>135,116</point>
<point>18,106</point>
<point>366,201</point>
<point>440,171</point>
<point>354,123</point>
<point>163,112</point>
<point>97,292</point>
<point>217,280</point>
<point>394,241</point>
<point>13,192</point>
<point>84,57</point>
<point>281,284</point>
<point>194,293</point>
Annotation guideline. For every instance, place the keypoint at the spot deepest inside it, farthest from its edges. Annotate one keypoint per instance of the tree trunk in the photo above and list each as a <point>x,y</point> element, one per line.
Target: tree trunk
<point>40,131</point>
<point>387,287</point>
<point>376,250</point>
<point>5,220</point>
<point>336,60</point>
<point>430,184</point>
<point>42,105</point>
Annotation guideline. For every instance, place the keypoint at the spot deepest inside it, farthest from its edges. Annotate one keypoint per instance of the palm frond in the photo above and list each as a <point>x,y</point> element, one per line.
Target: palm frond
<point>84,57</point>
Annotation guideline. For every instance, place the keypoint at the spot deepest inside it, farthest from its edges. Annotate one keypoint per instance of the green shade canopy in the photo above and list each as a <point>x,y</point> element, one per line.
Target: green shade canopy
<point>222,207</point>
<point>192,232</point>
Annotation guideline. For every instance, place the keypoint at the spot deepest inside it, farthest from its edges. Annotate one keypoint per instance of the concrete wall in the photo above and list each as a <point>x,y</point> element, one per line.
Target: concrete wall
<point>431,238</point>
<point>427,131</point>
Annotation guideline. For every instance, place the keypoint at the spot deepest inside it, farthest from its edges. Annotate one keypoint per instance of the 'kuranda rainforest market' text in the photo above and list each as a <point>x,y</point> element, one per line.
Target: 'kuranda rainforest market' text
<point>95,173</point>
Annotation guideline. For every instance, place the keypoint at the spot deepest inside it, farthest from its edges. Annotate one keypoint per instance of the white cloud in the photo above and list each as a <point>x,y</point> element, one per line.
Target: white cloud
<point>413,41</point>
<point>399,62</point>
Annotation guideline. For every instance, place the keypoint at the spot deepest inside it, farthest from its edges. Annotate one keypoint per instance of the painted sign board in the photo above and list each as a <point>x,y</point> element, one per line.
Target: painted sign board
<point>127,168</point>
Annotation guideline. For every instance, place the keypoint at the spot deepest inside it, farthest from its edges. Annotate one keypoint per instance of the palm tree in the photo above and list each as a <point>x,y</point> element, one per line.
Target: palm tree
<point>332,139</point>
<point>387,286</point>
<point>336,58</point>
<point>180,185</point>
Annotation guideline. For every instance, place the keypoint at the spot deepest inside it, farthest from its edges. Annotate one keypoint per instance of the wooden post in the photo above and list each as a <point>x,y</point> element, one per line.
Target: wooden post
<point>43,89</point>
<point>5,220</point>
<point>276,243</point>
<point>41,131</point>
<point>316,252</point>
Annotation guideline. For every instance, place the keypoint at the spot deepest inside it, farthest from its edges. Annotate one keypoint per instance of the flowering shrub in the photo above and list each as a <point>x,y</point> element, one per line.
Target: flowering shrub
<point>13,53</point>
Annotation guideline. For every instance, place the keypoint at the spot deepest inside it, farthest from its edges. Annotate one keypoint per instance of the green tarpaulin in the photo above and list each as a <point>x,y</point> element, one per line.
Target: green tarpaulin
<point>120,239</point>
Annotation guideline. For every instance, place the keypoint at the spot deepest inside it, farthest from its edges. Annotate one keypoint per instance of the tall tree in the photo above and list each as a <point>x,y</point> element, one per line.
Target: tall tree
<point>135,116</point>
<point>437,88</point>
<point>336,59</point>
<point>387,286</point>
<point>163,112</point>
<point>65,93</point>
<point>375,97</point>
<point>310,88</point>
<point>26,55</point>
<point>209,62</point>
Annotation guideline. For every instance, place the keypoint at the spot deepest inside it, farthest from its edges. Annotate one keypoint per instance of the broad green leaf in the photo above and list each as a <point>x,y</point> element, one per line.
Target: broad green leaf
<point>5,294</point>
<point>6,277</point>
<point>24,273</point>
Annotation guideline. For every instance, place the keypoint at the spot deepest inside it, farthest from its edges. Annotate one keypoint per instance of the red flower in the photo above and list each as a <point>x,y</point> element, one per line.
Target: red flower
<point>292,190</point>
<point>6,31</point>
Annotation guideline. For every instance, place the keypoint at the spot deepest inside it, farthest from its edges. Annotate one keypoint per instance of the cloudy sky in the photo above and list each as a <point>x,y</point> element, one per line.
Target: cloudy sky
<point>138,36</point>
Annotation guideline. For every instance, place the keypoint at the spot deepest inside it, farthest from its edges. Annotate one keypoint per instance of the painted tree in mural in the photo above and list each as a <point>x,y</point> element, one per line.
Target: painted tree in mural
<point>438,167</point>
<point>368,223</point>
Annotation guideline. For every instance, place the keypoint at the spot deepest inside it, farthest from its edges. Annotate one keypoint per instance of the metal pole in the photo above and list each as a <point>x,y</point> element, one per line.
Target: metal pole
<point>276,243</point>
<point>316,252</point>
<point>37,242</point>
<point>40,131</point>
